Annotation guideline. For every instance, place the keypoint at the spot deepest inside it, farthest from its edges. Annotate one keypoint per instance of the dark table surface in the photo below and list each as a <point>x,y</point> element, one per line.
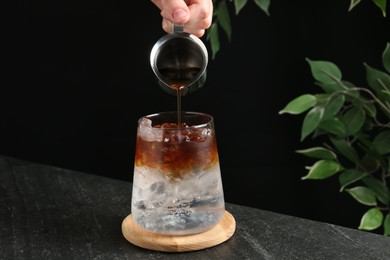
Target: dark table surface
<point>52,213</point>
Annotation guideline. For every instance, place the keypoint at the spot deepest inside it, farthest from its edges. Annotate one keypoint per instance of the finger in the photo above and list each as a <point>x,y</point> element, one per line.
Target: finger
<point>175,11</point>
<point>201,19</point>
<point>167,25</point>
<point>198,33</point>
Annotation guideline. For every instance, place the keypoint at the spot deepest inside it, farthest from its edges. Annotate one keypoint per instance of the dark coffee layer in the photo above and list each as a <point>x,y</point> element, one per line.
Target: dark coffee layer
<point>180,151</point>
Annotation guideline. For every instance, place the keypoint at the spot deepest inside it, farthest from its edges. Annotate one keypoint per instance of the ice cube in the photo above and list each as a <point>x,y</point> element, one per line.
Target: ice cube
<point>157,187</point>
<point>149,133</point>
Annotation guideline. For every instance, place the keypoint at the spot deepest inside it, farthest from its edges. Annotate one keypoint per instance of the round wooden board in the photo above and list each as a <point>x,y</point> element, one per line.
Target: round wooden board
<point>183,243</point>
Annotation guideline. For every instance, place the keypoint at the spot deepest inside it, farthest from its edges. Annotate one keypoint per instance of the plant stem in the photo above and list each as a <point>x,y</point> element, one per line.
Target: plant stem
<point>379,124</point>
<point>375,98</point>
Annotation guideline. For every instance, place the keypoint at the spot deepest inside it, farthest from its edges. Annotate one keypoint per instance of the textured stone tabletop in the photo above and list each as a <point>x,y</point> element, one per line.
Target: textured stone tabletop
<point>52,213</point>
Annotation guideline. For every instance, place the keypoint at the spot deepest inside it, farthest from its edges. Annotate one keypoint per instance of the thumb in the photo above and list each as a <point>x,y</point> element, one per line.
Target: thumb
<point>175,11</point>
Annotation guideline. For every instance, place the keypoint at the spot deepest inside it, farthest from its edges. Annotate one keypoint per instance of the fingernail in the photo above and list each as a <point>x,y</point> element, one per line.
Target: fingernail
<point>179,15</point>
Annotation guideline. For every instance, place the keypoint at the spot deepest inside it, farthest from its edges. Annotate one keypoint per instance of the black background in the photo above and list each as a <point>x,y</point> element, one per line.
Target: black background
<point>77,78</point>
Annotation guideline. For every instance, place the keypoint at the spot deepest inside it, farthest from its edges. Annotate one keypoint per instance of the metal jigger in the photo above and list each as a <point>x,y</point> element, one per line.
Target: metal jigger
<point>179,51</point>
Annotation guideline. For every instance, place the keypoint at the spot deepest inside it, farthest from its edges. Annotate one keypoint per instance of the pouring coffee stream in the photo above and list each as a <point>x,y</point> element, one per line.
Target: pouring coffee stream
<point>179,61</point>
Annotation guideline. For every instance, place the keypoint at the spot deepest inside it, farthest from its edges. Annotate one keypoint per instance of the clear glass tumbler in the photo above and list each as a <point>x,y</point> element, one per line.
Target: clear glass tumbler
<point>177,186</point>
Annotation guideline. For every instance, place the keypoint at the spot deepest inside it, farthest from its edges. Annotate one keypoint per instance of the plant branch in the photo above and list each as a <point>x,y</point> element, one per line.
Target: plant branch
<point>387,109</point>
<point>383,174</point>
<point>379,124</point>
<point>384,208</point>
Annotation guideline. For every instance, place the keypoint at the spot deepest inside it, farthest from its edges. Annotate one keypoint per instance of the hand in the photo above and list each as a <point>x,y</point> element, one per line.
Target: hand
<point>196,15</point>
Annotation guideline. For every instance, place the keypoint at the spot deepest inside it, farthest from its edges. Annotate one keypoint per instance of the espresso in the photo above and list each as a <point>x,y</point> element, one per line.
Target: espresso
<point>178,79</point>
<point>181,151</point>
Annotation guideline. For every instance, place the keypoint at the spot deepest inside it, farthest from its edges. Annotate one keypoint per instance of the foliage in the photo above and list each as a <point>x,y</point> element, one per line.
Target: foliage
<point>222,17</point>
<point>355,124</point>
<point>355,121</point>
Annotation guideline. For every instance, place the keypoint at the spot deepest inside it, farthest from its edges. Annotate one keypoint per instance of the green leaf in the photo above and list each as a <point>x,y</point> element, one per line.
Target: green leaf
<point>311,121</point>
<point>386,225</point>
<point>345,149</point>
<point>378,81</point>
<point>386,57</point>
<point>347,84</point>
<point>371,220</point>
<point>349,176</point>
<point>330,87</point>
<point>322,97</point>
<point>365,139</point>
<point>214,39</point>
<point>333,106</point>
<point>338,86</point>
<point>323,169</point>
<point>334,126</point>
<point>382,5</point>
<point>319,153</point>
<point>264,5</point>
<point>363,195</point>
<point>354,119</point>
<point>380,189</point>
<point>381,142</point>
<point>299,105</point>
<point>369,163</point>
<point>239,4</point>
<point>224,19</point>
<point>324,71</point>
<point>367,126</point>
<point>353,4</point>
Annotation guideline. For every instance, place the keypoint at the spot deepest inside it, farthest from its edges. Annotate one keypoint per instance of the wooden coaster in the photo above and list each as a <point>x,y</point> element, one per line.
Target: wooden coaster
<point>183,243</point>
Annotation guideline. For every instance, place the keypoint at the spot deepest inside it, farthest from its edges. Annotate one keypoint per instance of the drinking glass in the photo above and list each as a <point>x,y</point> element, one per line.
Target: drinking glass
<point>177,186</point>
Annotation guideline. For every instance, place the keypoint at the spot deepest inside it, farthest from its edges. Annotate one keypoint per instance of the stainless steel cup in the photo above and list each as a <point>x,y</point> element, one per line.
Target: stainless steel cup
<point>179,58</point>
